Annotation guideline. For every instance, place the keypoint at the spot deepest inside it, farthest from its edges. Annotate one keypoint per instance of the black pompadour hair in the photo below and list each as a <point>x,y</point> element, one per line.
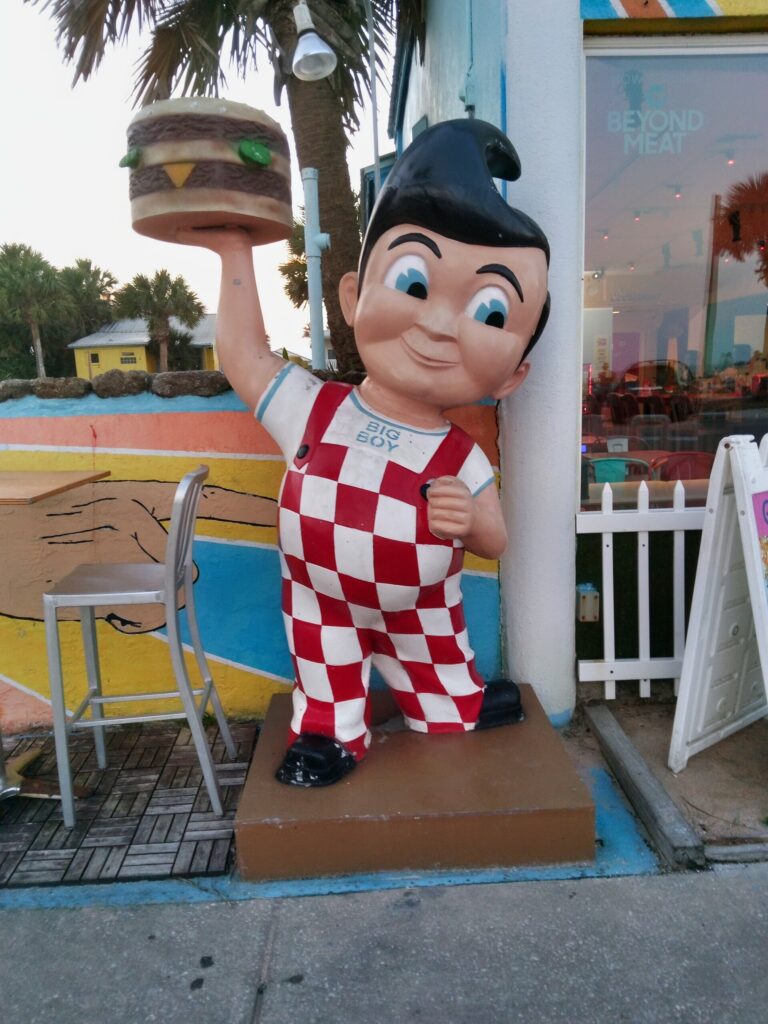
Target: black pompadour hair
<point>443,182</point>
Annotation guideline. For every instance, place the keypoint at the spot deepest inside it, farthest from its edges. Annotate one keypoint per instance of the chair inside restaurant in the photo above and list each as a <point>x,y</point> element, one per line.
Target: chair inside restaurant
<point>609,470</point>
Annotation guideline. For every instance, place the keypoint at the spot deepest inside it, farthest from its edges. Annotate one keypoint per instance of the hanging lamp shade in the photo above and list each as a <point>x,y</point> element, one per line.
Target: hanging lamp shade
<point>313,59</point>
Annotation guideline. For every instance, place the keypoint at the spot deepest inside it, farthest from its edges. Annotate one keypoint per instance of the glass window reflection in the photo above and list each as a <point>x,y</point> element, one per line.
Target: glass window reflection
<point>675,329</point>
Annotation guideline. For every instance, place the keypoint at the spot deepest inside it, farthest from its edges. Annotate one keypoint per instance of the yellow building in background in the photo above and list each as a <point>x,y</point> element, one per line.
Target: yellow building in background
<point>124,345</point>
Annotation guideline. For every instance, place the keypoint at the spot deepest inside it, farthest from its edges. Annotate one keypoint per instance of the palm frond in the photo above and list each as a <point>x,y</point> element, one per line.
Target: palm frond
<point>192,38</point>
<point>186,48</point>
<point>85,30</point>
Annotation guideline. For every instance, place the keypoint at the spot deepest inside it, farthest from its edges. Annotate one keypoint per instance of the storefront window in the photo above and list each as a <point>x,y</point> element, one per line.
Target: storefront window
<point>675,325</point>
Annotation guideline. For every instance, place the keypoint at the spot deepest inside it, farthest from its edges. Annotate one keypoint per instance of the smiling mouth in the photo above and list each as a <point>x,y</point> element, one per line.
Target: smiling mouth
<point>423,353</point>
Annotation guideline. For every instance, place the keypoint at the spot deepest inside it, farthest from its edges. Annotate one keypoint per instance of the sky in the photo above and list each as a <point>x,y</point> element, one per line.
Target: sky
<point>63,193</point>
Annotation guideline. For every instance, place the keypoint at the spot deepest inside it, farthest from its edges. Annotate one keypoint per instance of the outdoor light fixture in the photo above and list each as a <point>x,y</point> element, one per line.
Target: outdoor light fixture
<point>313,58</point>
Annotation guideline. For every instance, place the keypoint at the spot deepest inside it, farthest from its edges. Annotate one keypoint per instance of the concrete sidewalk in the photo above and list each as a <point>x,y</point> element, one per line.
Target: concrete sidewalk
<point>666,948</point>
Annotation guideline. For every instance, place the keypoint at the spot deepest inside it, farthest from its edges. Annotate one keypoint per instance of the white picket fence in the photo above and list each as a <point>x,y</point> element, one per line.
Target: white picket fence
<point>641,520</point>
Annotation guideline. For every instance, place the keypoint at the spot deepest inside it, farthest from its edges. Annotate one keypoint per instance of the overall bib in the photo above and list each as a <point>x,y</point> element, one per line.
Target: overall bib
<point>366,583</point>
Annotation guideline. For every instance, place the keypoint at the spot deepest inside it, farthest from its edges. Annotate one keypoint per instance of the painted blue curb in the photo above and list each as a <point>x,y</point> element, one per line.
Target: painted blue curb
<point>92,405</point>
<point>621,850</point>
<point>560,719</point>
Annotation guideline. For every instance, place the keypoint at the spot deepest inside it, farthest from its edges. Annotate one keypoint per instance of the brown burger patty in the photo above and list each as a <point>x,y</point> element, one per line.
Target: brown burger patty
<point>214,174</point>
<point>183,127</point>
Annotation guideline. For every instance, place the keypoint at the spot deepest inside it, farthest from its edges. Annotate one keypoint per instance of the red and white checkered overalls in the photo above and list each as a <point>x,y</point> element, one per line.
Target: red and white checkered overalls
<point>365,582</point>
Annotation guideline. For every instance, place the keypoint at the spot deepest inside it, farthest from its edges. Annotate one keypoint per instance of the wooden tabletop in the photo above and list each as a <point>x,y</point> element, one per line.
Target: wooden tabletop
<point>22,487</point>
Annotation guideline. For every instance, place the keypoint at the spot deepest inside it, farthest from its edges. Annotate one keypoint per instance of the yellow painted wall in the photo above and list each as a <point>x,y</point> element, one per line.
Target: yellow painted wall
<point>110,358</point>
<point>744,7</point>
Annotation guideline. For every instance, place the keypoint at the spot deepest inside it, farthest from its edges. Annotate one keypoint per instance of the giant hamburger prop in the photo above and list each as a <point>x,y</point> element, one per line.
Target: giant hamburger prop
<point>202,162</point>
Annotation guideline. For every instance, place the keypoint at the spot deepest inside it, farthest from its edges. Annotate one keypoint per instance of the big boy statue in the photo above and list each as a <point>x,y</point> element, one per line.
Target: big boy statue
<point>382,495</point>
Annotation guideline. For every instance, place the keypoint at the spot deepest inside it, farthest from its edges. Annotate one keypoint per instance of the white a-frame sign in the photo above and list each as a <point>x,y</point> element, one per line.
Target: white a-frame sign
<point>724,678</point>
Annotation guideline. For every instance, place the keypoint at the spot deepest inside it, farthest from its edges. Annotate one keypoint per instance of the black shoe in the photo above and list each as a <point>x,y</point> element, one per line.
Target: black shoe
<point>501,705</point>
<point>313,760</point>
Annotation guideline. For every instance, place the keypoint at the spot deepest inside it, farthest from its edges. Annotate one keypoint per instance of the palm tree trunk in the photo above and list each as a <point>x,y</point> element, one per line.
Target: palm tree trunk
<point>321,142</point>
<point>162,344</point>
<point>37,345</point>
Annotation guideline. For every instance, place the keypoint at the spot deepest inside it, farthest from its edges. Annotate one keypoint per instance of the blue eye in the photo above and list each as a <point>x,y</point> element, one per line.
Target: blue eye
<point>494,314</point>
<point>409,274</point>
<point>412,282</point>
<point>489,306</point>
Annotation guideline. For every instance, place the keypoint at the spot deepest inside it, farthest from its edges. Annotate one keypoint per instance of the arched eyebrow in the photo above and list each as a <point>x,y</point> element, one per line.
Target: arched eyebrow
<point>505,272</point>
<point>416,236</point>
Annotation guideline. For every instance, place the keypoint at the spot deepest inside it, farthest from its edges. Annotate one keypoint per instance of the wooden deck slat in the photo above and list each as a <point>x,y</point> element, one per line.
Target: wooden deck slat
<point>96,863</point>
<point>183,861</point>
<point>149,815</point>
<point>144,829</point>
<point>201,856</point>
<point>159,870</point>
<point>114,862</point>
<point>45,835</point>
<point>78,865</point>
<point>162,825</point>
<point>178,828</point>
<point>140,802</point>
<point>8,864</point>
<point>219,856</point>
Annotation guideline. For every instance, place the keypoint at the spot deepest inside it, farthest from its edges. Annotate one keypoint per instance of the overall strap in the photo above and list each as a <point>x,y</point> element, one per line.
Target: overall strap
<point>329,398</point>
<point>451,455</point>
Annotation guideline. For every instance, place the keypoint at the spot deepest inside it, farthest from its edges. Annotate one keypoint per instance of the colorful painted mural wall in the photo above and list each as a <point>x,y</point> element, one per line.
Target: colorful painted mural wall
<point>608,9</point>
<point>148,443</point>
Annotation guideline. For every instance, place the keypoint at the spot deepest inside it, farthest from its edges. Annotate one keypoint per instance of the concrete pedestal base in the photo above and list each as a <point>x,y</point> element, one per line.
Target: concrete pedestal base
<point>503,797</point>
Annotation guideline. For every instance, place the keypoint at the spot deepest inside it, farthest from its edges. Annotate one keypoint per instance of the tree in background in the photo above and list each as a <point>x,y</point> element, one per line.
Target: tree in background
<point>182,355</point>
<point>741,226</point>
<point>189,41</point>
<point>156,300</point>
<point>32,294</point>
<point>294,270</point>
<point>91,290</point>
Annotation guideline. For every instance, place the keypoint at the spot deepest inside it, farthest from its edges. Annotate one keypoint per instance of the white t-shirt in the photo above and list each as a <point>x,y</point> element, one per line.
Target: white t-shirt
<point>287,402</point>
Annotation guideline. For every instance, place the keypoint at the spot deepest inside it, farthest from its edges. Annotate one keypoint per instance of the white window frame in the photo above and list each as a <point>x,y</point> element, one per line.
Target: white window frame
<point>640,520</point>
<point>678,46</point>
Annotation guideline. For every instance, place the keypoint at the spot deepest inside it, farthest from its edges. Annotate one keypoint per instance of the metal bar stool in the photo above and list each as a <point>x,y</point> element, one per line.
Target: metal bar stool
<point>90,586</point>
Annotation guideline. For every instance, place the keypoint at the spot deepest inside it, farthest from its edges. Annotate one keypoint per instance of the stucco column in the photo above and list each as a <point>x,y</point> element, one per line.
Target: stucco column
<point>540,422</point>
